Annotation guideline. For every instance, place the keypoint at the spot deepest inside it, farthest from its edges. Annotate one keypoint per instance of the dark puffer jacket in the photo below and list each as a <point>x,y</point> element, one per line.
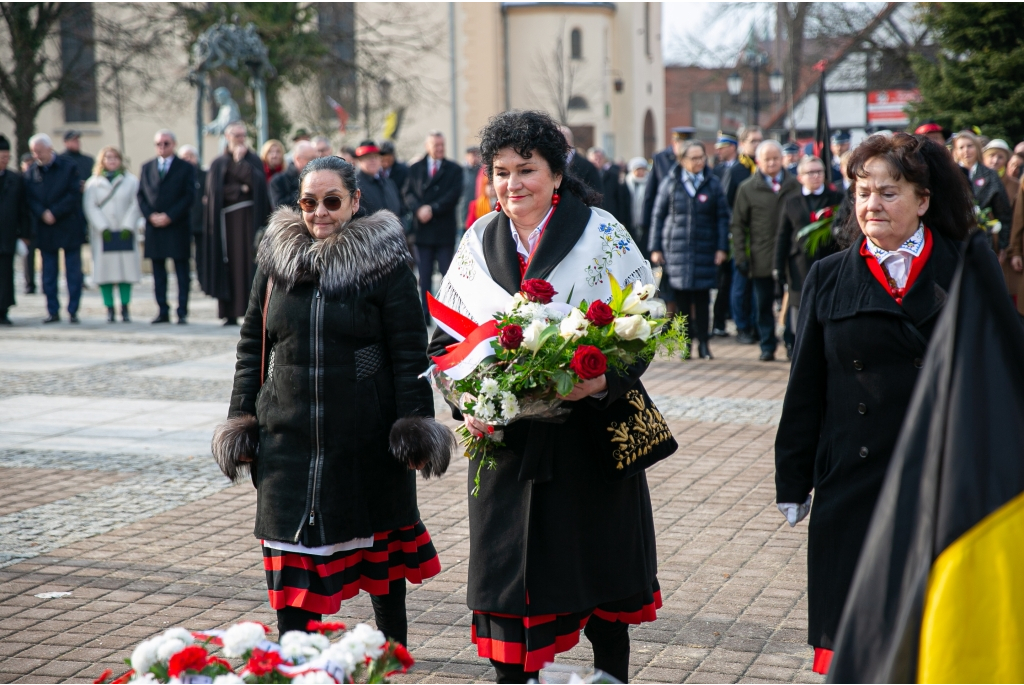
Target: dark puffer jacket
<point>346,344</point>
<point>689,230</point>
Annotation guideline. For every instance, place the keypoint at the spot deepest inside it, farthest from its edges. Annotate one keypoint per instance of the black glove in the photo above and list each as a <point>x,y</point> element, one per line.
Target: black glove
<point>743,268</point>
<point>779,290</point>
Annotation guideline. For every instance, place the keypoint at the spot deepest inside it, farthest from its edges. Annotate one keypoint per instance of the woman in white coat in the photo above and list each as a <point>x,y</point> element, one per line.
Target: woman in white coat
<point>112,210</point>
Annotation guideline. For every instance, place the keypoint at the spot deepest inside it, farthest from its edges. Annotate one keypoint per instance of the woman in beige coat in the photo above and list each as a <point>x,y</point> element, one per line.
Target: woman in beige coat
<point>114,220</point>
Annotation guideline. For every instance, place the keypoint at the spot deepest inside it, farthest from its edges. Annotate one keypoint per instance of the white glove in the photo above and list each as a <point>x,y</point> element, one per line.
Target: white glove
<point>795,513</point>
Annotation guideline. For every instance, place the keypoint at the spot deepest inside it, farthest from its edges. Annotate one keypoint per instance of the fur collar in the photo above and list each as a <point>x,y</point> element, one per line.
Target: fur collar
<point>366,250</point>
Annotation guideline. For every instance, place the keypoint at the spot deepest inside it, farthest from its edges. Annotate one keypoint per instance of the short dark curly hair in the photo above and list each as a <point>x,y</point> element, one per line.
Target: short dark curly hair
<point>345,171</point>
<point>528,132</point>
<point>932,171</point>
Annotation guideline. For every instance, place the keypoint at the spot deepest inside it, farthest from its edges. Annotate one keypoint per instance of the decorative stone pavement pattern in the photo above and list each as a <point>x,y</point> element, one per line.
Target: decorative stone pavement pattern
<point>148,541</point>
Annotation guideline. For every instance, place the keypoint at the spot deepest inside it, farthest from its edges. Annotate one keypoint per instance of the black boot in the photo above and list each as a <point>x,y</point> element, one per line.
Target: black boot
<point>610,640</point>
<point>389,612</point>
<point>294,618</point>
<point>124,314</point>
<point>512,673</point>
<point>111,318</point>
<point>704,351</point>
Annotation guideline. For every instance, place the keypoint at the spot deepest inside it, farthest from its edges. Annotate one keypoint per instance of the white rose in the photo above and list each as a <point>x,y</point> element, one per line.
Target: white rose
<point>168,649</point>
<point>144,656</point>
<point>242,637</point>
<point>312,678</point>
<point>489,386</point>
<point>574,326</point>
<point>179,634</point>
<point>632,327</point>
<point>229,679</point>
<point>531,335</point>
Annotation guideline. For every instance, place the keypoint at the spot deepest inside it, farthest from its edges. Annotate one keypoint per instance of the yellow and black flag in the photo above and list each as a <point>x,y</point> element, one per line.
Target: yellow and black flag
<point>938,595</point>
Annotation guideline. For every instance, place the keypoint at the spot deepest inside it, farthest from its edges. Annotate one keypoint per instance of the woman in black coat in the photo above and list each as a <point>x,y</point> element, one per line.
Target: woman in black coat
<point>556,545</point>
<point>987,186</point>
<point>328,398</point>
<point>690,235</point>
<point>866,316</point>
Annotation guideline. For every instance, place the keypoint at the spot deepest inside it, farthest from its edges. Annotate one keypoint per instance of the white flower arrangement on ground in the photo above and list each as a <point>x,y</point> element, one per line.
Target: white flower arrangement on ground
<point>175,656</point>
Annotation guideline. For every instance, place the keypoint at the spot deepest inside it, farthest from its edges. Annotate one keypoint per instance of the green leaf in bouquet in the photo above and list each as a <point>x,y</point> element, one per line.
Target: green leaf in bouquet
<point>563,382</point>
<point>547,333</point>
<point>618,297</point>
<point>568,300</point>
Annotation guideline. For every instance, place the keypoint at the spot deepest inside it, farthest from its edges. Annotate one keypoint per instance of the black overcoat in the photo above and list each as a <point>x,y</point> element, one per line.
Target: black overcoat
<point>614,195</point>
<point>284,188</point>
<point>344,358</point>
<point>173,195</point>
<point>377,193</point>
<point>214,276</point>
<point>855,362</point>
<point>791,259</point>
<point>547,520</point>
<point>990,193</point>
<point>14,221</point>
<point>442,193</point>
<point>689,230</point>
<point>59,189</point>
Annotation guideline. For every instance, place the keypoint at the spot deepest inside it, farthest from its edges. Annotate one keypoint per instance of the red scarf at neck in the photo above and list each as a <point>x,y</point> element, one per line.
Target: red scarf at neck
<point>916,265</point>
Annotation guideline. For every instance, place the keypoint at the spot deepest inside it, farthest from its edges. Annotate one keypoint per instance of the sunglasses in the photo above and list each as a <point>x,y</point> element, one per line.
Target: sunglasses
<point>332,203</point>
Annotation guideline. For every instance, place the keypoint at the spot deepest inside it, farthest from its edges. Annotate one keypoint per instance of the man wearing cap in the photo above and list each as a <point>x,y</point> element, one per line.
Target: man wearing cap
<point>840,144</point>
<point>54,193</point>
<point>397,171</point>
<point>284,187</point>
<point>726,152</point>
<point>14,225</point>
<point>790,157</point>
<point>375,191</point>
<point>432,192</point>
<point>636,184</point>
<point>932,131</point>
<point>73,152</point>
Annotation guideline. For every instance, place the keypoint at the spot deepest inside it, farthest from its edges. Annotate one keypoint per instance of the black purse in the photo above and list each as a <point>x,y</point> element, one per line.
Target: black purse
<point>118,241</point>
<point>636,435</point>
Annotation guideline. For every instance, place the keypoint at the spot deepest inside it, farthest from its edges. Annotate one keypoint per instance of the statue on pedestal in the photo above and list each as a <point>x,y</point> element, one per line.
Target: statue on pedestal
<point>227,114</point>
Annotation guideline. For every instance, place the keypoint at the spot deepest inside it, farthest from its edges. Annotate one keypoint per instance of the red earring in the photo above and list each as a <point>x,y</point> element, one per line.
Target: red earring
<point>497,206</point>
<point>554,198</point>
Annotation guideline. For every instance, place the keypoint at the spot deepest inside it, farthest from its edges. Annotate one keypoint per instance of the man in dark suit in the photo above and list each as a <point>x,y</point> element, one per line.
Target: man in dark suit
<point>741,295</point>
<point>13,226</point>
<point>54,193</point>
<point>284,186</point>
<point>167,189</point>
<point>375,191</point>
<point>726,151</point>
<point>73,152</point>
<point>431,193</point>
<point>578,164</point>
<point>614,194</point>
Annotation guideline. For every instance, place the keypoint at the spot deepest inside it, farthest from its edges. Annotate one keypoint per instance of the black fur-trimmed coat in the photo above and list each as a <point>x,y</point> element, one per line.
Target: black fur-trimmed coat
<point>346,344</point>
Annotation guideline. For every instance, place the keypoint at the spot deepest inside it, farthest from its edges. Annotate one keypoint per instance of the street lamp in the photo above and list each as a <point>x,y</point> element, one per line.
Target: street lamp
<point>755,59</point>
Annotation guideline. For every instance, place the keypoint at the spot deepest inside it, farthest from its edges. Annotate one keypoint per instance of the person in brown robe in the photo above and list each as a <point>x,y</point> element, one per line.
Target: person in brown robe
<point>237,205</point>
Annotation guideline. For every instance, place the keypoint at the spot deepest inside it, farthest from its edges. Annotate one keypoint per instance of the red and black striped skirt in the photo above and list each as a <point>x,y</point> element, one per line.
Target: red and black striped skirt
<point>533,641</point>
<point>319,584</point>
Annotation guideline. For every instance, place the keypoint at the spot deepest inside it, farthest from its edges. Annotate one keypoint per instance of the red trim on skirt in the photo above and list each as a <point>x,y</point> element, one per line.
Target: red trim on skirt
<point>320,584</point>
<point>533,641</point>
<point>822,660</point>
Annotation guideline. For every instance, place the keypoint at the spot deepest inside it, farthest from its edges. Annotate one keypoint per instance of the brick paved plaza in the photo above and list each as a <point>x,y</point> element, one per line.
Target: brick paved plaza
<point>110,494</point>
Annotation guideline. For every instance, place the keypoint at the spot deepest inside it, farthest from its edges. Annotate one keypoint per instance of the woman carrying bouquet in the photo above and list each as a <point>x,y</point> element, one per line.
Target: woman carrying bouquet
<point>556,546</point>
<point>329,410</point>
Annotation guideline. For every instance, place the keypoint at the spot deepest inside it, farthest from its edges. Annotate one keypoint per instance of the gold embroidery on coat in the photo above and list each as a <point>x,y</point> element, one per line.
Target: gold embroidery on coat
<point>636,436</point>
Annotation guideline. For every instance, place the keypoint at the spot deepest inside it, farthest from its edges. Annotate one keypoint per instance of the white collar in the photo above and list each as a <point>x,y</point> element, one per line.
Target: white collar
<point>819,191</point>
<point>533,237</point>
<point>911,247</point>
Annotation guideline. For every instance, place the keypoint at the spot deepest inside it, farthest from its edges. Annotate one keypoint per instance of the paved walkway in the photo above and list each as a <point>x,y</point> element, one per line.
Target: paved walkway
<point>110,495</point>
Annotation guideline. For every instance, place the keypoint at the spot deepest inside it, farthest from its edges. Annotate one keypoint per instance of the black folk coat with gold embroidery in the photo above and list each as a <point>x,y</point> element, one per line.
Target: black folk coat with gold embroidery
<point>346,344</point>
<point>548,520</point>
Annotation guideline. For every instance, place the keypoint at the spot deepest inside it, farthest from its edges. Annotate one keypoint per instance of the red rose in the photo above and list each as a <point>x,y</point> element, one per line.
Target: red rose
<point>511,337</point>
<point>600,314</point>
<point>588,362</point>
<point>321,627</point>
<point>191,658</point>
<point>262,663</point>
<point>537,290</point>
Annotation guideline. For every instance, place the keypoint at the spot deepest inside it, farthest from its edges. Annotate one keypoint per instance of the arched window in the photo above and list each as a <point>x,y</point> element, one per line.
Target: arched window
<point>649,139</point>
<point>578,102</point>
<point>576,44</point>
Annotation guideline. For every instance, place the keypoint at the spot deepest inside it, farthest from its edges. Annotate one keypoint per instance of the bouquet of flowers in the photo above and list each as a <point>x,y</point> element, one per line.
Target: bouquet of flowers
<point>818,233</point>
<point>986,221</point>
<point>540,349</point>
<point>181,656</point>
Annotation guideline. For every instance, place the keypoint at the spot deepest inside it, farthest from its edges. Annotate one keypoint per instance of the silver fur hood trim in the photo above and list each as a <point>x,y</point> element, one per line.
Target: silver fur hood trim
<point>364,251</point>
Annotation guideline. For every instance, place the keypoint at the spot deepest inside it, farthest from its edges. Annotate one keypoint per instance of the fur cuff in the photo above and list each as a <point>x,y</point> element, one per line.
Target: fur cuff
<point>233,439</point>
<point>423,443</point>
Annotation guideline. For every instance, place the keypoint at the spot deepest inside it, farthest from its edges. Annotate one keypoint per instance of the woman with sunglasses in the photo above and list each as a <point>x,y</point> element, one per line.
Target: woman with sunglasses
<point>329,413</point>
